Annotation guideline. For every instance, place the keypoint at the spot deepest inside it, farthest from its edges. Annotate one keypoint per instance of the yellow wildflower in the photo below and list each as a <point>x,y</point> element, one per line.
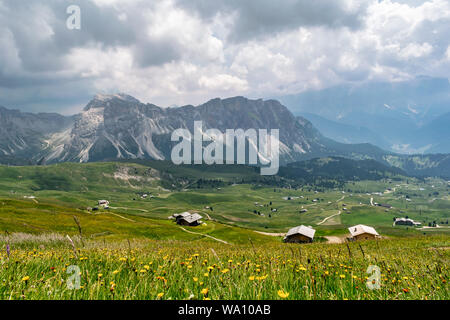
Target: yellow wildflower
<point>283,294</point>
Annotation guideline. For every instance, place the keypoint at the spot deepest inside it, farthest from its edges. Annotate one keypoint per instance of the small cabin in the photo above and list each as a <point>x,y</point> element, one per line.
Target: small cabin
<point>362,232</point>
<point>300,234</point>
<point>406,222</point>
<point>103,203</point>
<point>188,219</point>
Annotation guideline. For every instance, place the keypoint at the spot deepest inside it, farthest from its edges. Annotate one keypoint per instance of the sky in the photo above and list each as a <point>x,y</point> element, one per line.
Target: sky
<point>178,52</point>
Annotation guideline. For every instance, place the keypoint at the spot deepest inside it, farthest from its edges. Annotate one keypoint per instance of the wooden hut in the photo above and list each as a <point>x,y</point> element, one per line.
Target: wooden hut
<point>300,234</point>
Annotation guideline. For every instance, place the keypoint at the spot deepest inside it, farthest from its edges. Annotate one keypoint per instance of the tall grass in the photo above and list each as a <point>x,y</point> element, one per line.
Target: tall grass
<point>142,269</point>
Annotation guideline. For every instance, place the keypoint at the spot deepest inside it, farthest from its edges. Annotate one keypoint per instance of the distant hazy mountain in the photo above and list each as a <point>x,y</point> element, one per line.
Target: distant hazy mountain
<point>394,111</point>
<point>345,133</point>
<point>435,134</point>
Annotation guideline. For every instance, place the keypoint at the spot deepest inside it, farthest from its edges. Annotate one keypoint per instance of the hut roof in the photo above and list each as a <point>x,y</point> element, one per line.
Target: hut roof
<point>361,229</point>
<point>184,214</point>
<point>192,218</point>
<point>306,231</point>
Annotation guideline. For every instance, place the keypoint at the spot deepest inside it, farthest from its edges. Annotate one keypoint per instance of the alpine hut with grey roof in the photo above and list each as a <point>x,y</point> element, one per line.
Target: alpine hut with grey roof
<point>362,232</point>
<point>300,234</point>
<point>188,219</point>
<point>406,222</point>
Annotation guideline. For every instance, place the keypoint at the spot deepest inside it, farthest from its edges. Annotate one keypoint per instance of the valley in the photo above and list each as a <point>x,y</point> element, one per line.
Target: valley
<point>224,199</point>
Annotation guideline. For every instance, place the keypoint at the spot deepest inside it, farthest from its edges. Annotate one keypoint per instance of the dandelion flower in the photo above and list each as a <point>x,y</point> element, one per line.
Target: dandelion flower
<point>283,294</point>
<point>204,291</point>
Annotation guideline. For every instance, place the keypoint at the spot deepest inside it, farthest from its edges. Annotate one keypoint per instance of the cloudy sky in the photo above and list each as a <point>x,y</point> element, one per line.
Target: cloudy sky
<point>175,52</point>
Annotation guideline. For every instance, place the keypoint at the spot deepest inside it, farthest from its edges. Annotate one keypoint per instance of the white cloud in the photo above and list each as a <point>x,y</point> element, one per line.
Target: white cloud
<point>224,82</point>
<point>414,50</point>
<point>447,53</point>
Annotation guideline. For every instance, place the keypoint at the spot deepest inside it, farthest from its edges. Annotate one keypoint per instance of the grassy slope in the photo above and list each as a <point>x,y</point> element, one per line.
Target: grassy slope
<point>73,187</point>
<point>26,216</point>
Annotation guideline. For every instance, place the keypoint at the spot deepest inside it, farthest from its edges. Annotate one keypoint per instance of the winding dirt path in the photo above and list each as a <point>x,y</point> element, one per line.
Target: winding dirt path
<point>334,215</point>
<point>204,235</point>
<point>118,215</point>
<point>124,208</point>
<point>271,234</point>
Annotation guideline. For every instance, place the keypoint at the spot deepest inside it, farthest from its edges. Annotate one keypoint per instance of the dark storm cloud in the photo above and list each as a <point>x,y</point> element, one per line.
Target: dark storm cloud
<point>40,41</point>
<point>29,20</point>
<point>43,96</point>
<point>99,25</point>
<point>260,18</point>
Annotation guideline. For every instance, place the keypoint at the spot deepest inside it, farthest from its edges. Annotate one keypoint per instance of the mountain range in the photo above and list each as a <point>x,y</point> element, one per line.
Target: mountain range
<point>121,127</point>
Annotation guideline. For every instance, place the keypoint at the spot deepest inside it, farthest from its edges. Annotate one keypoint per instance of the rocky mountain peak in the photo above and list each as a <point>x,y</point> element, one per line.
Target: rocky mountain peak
<point>106,100</point>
